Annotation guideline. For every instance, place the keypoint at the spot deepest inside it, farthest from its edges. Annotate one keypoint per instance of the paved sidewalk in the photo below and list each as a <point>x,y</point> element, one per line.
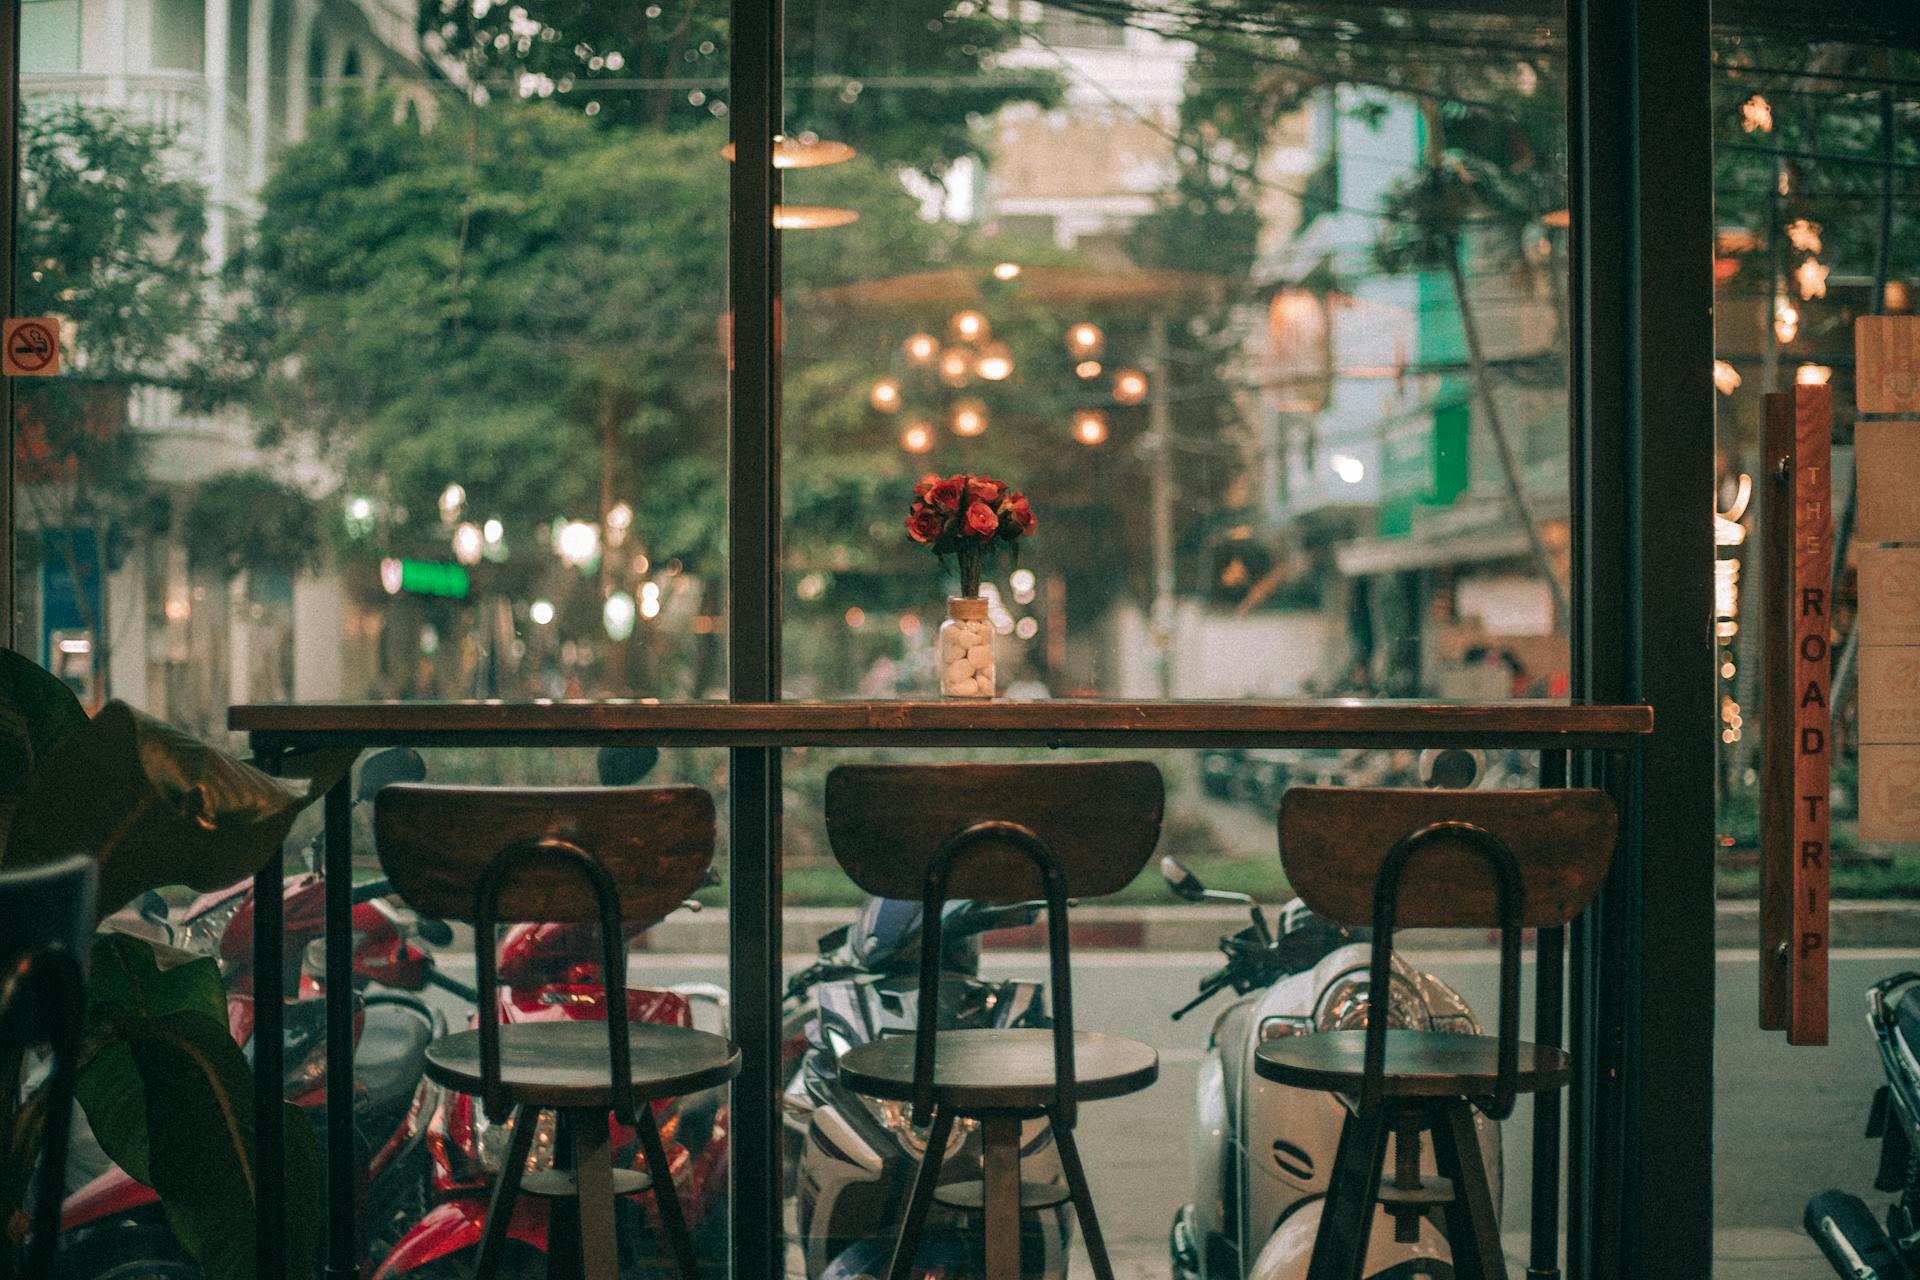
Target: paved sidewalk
<point>1865,923</point>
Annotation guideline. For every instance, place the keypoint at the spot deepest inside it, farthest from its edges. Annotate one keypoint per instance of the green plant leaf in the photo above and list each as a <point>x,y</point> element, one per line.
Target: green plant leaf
<point>170,1098</point>
<point>134,978</point>
<point>154,806</point>
<point>37,713</point>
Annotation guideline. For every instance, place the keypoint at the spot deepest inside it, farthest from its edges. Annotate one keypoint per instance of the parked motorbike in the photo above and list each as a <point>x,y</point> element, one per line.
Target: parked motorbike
<point>552,972</point>
<point>115,1227</point>
<point>854,1157</point>
<point>1263,1152</point>
<point>1857,1245</point>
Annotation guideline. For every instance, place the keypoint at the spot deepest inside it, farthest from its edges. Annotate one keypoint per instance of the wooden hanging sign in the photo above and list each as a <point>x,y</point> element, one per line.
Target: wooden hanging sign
<point>1797,825</point>
<point>1886,371</point>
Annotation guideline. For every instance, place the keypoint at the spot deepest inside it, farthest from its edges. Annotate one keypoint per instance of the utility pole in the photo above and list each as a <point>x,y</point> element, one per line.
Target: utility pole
<point>1160,498</point>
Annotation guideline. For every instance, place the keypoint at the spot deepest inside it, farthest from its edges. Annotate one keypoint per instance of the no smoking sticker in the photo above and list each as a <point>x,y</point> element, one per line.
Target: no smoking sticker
<point>30,348</point>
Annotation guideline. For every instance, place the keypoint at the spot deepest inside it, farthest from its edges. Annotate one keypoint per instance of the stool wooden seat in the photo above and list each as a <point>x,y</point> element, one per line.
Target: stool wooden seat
<point>611,856</point>
<point>1419,1064</point>
<point>1001,1070</point>
<point>999,833</point>
<point>1466,859</point>
<point>559,1064</point>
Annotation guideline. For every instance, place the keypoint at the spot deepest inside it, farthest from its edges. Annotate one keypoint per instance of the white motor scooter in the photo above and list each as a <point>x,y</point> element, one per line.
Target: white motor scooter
<point>1263,1152</point>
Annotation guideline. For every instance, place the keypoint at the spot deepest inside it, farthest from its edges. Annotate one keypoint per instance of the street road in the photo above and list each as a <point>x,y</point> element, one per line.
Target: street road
<point>1787,1121</point>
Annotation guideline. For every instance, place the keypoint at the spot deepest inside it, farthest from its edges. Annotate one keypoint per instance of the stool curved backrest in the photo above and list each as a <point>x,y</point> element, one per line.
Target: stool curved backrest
<point>1389,857</point>
<point>617,856</point>
<point>46,925</point>
<point>998,833</point>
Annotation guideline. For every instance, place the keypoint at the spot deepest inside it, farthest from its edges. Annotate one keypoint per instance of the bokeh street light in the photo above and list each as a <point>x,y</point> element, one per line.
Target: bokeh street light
<point>577,543</point>
<point>1129,386</point>
<point>969,418</point>
<point>969,326</point>
<point>995,363</point>
<point>1085,339</point>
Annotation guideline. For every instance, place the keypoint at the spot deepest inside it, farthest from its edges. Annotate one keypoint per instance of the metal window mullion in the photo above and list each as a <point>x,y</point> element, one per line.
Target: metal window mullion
<point>10,147</point>
<point>753,631</point>
<point>1640,1120</point>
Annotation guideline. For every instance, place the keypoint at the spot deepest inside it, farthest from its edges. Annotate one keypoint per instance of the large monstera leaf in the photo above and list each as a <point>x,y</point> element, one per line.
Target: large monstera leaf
<point>37,713</point>
<point>170,1098</point>
<point>155,806</point>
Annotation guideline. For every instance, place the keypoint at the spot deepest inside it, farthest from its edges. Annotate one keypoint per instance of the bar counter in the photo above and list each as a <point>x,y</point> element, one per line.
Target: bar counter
<point>756,733</point>
<point>1350,722</point>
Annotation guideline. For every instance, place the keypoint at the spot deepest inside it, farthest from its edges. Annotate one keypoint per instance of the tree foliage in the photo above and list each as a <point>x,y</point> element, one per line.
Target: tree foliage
<point>109,238</point>
<point>490,300</point>
<point>906,79</point>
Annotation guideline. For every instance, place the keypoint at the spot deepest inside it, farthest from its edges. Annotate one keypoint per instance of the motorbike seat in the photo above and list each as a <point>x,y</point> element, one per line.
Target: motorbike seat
<point>1001,1070</point>
<point>1420,1064</point>
<point>391,1054</point>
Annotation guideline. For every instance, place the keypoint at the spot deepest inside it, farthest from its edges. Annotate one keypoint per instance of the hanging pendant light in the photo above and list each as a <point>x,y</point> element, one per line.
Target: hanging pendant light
<point>804,152</point>
<point>811,217</point>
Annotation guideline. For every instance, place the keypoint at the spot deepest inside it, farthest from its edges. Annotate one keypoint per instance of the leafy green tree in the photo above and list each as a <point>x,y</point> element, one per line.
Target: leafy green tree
<point>904,80</point>
<point>518,302</point>
<point>110,239</point>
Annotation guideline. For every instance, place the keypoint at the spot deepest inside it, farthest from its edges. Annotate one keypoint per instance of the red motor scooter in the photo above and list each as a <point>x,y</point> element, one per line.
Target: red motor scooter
<point>545,977</point>
<point>550,973</point>
<point>115,1227</point>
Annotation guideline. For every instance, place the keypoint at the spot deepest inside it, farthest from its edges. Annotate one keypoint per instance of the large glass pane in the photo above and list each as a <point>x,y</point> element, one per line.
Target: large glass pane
<point>396,361</point>
<point>1262,310</point>
<point>1263,313</point>
<point>1816,209</point>
<point>395,368</point>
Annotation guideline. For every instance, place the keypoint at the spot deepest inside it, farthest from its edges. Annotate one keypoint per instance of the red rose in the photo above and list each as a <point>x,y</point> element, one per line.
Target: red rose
<point>1018,515</point>
<point>946,494</point>
<point>981,522</point>
<point>924,523</point>
<point>985,489</point>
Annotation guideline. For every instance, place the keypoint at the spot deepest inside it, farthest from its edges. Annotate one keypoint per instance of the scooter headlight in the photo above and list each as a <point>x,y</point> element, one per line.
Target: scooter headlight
<point>1283,1025</point>
<point>1344,1006</point>
<point>897,1117</point>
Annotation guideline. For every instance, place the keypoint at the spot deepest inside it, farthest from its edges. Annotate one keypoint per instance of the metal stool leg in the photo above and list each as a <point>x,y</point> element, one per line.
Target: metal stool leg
<point>1000,1197</point>
<point>1473,1233</point>
<point>593,1174</point>
<point>1346,1221</point>
<point>666,1196</point>
<point>1082,1199</point>
<point>908,1241</point>
<point>506,1193</point>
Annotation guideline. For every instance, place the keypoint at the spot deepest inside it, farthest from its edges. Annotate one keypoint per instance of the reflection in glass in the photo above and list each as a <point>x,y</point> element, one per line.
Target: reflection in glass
<point>1267,316</point>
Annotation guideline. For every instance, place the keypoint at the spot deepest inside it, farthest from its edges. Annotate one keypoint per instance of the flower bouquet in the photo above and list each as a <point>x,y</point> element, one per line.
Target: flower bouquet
<point>969,518</point>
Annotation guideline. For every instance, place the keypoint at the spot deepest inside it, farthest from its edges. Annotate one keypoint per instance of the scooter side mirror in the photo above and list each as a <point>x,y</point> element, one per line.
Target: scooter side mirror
<point>1182,881</point>
<point>384,768</point>
<point>1451,768</point>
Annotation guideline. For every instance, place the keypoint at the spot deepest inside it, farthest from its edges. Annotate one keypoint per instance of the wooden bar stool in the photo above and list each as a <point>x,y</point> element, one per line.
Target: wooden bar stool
<point>1464,859</point>
<point>577,855</point>
<point>998,833</point>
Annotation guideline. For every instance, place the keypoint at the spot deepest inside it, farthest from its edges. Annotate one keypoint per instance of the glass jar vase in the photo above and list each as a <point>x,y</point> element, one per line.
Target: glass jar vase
<point>966,649</point>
